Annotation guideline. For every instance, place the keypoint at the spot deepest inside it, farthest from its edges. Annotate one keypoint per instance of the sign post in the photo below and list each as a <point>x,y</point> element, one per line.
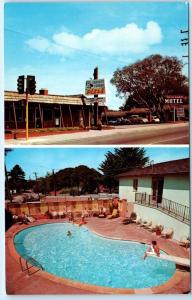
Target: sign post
<point>94,87</point>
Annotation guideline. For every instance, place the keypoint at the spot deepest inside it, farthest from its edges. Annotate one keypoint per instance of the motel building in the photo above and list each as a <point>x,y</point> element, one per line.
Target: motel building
<point>175,108</point>
<point>159,193</point>
<point>48,111</point>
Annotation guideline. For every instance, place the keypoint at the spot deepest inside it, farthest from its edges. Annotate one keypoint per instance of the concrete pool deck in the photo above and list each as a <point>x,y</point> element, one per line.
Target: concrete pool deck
<point>19,283</point>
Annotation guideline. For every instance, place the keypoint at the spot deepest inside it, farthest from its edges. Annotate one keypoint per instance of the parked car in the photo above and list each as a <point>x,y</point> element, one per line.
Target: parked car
<point>155,119</point>
<point>112,122</point>
<point>135,119</point>
<point>123,121</point>
<point>144,120</point>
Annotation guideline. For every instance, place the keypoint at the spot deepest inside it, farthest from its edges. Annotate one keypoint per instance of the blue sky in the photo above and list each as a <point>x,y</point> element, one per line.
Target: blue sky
<point>43,160</point>
<point>61,43</point>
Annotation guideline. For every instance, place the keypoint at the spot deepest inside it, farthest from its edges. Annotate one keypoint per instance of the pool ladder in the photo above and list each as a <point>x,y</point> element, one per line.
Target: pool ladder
<point>27,263</point>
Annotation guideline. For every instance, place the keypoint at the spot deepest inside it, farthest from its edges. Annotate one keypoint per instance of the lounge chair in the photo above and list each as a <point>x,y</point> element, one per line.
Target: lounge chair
<point>137,220</point>
<point>167,233</point>
<point>115,214</point>
<point>61,214</point>
<point>147,225</point>
<point>143,223</point>
<point>184,242</point>
<point>130,219</point>
<point>53,214</point>
<point>153,227</point>
<point>30,219</point>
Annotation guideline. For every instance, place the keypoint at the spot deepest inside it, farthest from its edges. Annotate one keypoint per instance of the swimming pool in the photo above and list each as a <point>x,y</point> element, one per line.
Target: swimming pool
<point>88,258</point>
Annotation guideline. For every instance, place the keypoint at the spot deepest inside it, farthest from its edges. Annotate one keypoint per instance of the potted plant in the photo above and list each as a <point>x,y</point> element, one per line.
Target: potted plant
<point>159,229</point>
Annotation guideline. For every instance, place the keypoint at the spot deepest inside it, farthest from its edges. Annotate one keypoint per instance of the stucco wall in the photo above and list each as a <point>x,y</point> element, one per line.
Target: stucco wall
<point>126,188</point>
<point>149,214</point>
<point>176,188</point>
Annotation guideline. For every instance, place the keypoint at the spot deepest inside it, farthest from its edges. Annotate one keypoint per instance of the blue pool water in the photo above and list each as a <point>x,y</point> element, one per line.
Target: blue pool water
<point>91,259</point>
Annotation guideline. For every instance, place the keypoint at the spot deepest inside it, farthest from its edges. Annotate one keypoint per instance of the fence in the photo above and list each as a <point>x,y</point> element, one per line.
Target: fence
<point>176,210</point>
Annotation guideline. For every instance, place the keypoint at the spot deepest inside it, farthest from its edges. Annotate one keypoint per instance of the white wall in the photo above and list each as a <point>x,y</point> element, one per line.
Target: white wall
<point>150,214</point>
<point>126,187</point>
<point>176,188</point>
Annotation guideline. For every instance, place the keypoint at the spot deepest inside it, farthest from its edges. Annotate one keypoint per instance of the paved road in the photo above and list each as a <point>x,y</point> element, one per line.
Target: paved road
<point>168,136</point>
<point>128,135</point>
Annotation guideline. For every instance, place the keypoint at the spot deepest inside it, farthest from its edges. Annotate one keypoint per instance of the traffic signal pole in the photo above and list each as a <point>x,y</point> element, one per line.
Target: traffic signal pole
<point>26,85</point>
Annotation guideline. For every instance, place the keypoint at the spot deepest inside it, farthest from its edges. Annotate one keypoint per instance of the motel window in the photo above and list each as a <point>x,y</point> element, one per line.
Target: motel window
<point>48,114</point>
<point>135,184</point>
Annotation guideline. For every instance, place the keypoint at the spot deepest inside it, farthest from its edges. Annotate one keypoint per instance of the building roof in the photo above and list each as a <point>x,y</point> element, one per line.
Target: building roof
<point>52,99</point>
<point>120,113</point>
<point>180,166</point>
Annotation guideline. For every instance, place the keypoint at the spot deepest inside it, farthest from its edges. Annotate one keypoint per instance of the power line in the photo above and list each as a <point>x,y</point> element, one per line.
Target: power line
<point>69,47</point>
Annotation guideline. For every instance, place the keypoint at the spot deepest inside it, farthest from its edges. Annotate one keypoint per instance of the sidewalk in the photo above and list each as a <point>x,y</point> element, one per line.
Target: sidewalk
<point>66,137</point>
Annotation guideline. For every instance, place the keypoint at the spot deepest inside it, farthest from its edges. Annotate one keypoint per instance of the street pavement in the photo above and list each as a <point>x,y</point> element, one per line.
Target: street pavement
<point>149,134</point>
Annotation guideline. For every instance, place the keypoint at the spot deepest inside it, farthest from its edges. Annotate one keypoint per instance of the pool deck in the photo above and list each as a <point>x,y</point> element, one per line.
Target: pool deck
<point>19,283</point>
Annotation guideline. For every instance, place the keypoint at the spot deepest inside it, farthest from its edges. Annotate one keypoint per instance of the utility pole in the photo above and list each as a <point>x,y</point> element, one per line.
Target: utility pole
<point>95,77</point>
<point>35,173</point>
<point>54,182</point>
<point>185,42</point>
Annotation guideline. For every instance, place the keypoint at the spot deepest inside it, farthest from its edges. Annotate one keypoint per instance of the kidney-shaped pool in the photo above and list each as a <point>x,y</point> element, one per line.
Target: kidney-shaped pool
<point>91,259</point>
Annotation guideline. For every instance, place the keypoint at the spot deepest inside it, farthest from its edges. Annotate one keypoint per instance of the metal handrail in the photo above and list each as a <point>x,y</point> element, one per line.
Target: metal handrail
<point>29,263</point>
<point>176,210</point>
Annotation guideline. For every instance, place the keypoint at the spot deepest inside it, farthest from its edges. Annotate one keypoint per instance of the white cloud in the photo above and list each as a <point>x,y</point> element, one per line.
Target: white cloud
<point>124,40</point>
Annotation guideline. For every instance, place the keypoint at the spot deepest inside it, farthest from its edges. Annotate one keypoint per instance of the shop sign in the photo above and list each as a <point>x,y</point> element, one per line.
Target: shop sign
<point>95,87</point>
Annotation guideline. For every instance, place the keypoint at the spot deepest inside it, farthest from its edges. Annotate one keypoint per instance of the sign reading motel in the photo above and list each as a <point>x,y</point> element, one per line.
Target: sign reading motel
<point>95,87</point>
<point>175,100</point>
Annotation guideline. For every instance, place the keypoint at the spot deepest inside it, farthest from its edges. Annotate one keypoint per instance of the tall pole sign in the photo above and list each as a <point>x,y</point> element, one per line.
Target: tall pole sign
<point>26,85</point>
<point>95,77</point>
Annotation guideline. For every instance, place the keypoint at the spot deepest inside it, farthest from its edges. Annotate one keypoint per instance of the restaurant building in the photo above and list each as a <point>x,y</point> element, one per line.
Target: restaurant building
<point>46,111</point>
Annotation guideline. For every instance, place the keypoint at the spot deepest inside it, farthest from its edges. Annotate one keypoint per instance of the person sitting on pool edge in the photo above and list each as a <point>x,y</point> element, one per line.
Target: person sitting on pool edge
<point>153,248</point>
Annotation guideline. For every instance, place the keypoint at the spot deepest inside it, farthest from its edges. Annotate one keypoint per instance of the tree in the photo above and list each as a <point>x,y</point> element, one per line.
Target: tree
<point>7,190</point>
<point>119,161</point>
<point>147,82</point>
<point>17,178</point>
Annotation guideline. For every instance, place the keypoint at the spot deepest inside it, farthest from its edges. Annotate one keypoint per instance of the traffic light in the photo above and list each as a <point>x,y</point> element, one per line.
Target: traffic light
<point>31,84</point>
<point>96,73</point>
<point>21,84</point>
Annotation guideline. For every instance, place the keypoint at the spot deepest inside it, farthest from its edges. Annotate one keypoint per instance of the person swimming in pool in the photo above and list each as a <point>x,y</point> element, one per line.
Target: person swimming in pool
<point>153,248</point>
<point>69,234</point>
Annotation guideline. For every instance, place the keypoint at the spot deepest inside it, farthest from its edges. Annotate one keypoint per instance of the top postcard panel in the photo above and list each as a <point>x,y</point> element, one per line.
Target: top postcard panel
<point>95,73</point>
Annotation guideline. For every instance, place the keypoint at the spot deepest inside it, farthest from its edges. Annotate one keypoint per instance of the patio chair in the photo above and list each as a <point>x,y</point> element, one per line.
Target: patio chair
<point>137,220</point>
<point>130,219</point>
<point>30,219</point>
<point>142,223</point>
<point>184,242</point>
<point>61,214</point>
<point>147,225</point>
<point>53,214</point>
<point>153,227</point>
<point>167,233</point>
<point>115,214</point>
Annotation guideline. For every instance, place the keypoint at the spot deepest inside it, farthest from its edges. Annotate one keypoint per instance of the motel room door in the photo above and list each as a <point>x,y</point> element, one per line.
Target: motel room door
<point>157,189</point>
<point>57,117</point>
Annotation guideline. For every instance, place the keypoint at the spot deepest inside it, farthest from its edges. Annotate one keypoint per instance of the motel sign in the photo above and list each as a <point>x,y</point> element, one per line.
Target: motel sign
<point>176,100</point>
